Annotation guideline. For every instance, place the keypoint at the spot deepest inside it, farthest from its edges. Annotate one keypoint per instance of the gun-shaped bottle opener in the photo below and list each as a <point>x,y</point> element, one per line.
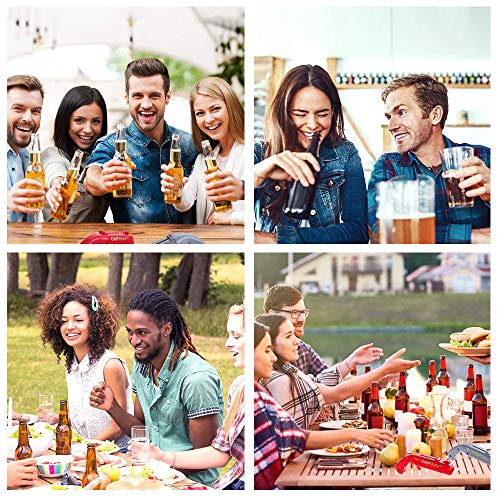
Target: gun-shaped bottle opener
<point>471,451</point>
<point>442,465</point>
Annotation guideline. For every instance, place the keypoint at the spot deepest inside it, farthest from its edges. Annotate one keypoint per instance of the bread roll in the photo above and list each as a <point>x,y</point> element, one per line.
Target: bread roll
<point>473,329</point>
<point>460,336</point>
<point>120,485</point>
<point>484,343</point>
<point>478,335</point>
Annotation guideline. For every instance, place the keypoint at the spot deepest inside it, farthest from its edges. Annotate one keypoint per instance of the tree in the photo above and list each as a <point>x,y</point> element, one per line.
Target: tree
<point>192,280</point>
<point>143,273</point>
<point>63,270</point>
<point>115,271</point>
<point>12,273</point>
<point>38,272</point>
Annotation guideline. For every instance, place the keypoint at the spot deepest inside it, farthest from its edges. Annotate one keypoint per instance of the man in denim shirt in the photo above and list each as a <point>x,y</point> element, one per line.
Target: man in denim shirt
<point>147,85</point>
<point>417,108</point>
<point>24,111</point>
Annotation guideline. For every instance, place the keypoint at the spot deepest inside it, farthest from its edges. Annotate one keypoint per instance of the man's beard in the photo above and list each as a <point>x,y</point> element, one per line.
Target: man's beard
<point>149,358</point>
<point>11,138</point>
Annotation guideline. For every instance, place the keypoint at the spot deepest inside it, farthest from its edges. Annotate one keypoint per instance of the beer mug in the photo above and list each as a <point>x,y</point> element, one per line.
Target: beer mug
<point>405,210</point>
<point>451,160</point>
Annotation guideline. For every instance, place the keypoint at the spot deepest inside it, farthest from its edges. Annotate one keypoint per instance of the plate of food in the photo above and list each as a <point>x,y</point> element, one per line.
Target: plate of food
<point>79,465</point>
<point>80,448</point>
<point>153,470</point>
<point>344,424</point>
<point>473,341</point>
<point>342,450</point>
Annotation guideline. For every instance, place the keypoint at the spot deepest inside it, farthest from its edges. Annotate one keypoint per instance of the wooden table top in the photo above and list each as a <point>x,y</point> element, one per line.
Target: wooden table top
<point>50,232</point>
<point>301,473</point>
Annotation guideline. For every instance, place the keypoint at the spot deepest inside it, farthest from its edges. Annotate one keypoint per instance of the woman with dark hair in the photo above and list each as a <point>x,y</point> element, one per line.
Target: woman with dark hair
<point>80,121</point>
<point>307,103</point>
<point>80,323</point>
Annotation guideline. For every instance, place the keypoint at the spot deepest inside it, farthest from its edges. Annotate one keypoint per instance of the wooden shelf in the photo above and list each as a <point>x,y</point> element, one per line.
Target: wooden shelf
<point>360,86</point>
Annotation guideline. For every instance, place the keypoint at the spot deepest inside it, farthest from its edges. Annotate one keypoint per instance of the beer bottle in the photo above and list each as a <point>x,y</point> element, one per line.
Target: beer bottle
<point>431,379</point>
<point>443,377</point>
<point>63,430</point>
<point>68,188</point>
<point>23,449</point>
<point>469,390</point>
<point>121,154</point>
<point>479,409</point>
<point>402,398</point>
<point>375,413</point>
<point>90,466</point>
<point>365,397</point>
<point>175,170</point>
<point>211,164</point>
<point>355,398</point>
<point>35,168</point>
<point>300,199</point>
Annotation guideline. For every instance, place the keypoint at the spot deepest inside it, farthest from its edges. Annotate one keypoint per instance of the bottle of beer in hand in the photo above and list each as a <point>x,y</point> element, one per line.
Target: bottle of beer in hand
<point>175,170</point>
<point>211,164</point>
<point>300,199</point>
<point>121,154</point>
<point>35,168</point>
<point>90,466</point>
<point>375,413</point>
<point>431,379</point>
<point>479,409</point>
<point>365,397</point>
<point>69,187</point>
<point>443,377</point>
<point>63,430</point>
<point>402,398</point>
<point>469,390</point>
<point>23,449</point>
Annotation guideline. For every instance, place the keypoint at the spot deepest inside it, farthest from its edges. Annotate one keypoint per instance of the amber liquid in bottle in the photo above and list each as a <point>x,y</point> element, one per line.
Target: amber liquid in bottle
<point>63,430</point>
<point>443,377</point>
<point>469,390</point>
<point>402,398</point>
<point>176,171</point>
<point>35,168</point>
<point>23,449</point>
<point>375,413</point>
<point>219,206</point>
<point>365,397</point>
<point>431,379</point>
<point>479,409</point>
<point>90,466</point>
<point>121,154</point>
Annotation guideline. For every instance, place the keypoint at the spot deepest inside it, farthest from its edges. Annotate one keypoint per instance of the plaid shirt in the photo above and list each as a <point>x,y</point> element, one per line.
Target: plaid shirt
<point>310,363</point>
<point>277,440</point>
<point>234,442</point>
<point>453,225</point>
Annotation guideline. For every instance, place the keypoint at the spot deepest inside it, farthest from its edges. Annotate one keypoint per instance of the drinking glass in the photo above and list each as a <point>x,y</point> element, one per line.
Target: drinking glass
<point>451,160</point>
<point>139,437</point>
<point>464,435</point>
<point>45,406</point>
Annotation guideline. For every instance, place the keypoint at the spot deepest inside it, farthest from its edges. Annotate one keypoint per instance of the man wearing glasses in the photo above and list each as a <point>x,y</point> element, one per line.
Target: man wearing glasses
<point>287,300</point>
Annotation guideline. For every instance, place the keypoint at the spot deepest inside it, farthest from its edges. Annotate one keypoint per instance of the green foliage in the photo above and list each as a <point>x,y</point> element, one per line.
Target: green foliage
<point>232,51</point>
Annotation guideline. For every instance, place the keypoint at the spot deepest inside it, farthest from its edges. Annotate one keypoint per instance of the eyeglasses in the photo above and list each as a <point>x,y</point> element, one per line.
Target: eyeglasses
<point>295,313</point>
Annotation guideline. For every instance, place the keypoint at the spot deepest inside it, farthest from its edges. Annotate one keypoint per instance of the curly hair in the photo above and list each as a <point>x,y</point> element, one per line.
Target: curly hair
<point>163,309</point>
<point>103,323</point>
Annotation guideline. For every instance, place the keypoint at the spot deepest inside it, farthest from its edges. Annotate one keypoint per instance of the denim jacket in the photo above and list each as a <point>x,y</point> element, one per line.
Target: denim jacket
<point>147,202</point>
<point>339,213</point>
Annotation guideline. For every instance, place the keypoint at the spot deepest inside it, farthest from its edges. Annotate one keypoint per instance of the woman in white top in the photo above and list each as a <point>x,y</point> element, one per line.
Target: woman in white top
<point>80,323</point>
<point>216,115</point>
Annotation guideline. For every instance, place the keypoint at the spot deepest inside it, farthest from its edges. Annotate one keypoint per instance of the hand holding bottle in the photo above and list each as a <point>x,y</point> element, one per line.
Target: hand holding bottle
<point>222,185</point>
<point>116,173</point>
<point>167,181</point>
<point>19,195</point>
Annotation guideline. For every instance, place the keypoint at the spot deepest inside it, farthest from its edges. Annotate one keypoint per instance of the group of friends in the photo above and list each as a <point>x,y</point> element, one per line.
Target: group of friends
<point>178,394</point>
<point>81,123</point>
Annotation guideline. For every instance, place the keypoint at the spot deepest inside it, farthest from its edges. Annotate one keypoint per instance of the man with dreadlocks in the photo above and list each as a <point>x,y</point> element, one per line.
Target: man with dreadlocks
<point>178,393</point>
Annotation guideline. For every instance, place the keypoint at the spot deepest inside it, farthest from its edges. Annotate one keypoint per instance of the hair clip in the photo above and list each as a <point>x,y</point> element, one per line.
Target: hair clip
<point>95,303</point>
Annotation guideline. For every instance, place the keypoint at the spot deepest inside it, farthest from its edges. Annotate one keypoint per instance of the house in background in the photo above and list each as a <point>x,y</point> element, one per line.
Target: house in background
<point>458,273</point>
<point>340,274</point>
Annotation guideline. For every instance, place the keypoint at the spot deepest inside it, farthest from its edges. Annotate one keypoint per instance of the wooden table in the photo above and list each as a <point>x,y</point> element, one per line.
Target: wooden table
<point>51,232</point>
<point>301,473</point>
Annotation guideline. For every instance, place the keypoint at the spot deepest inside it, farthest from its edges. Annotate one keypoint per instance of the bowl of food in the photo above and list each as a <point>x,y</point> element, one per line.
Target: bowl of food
<point>53,465</point>
<point>40,439</point>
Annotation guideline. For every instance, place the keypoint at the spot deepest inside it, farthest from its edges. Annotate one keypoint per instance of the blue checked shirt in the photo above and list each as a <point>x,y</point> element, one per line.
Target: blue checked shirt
<point>453,225</point>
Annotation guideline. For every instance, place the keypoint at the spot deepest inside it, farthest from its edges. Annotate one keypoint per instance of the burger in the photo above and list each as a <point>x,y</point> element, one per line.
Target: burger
<point>474,336</point>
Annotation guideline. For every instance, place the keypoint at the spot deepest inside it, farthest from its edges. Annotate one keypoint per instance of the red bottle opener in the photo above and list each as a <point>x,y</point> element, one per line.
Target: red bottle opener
<point>106,237</point>
<point>442,465</point>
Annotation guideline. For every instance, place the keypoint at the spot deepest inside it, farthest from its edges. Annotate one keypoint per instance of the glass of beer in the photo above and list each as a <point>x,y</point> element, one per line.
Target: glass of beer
<point>405,210</point>
<point>451,160</point>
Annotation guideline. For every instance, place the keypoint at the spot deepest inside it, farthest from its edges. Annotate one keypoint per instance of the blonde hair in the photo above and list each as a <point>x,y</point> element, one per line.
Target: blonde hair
<point>217,88</point>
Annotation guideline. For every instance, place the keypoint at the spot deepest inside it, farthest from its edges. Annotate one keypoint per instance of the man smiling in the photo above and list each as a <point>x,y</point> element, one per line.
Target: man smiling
<point>147,86</point>
<point>24,111</point>
<point>417,107</point>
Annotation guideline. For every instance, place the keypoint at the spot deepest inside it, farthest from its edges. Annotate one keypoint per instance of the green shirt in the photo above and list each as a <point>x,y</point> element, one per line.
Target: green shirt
<point>192,390</point>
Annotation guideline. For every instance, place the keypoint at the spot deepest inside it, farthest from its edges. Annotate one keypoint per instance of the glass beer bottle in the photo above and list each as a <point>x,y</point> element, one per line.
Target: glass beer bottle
<point>365,397</point>
<point>469,390</point>
<point>211,164</point>
<point>63,430</point>
<point>35,168</point>
<point>121,154</point>
<point>68,188</point>
<point>479,409</point>
<point>431,379</point>
<point>23,449</point>
<point>355,397</point>
<point>402,398</point>
<point>300,199</point>
<point>443,377</point>
<point>176,171</point>
<point>90,466</point>
<point>375,413</point>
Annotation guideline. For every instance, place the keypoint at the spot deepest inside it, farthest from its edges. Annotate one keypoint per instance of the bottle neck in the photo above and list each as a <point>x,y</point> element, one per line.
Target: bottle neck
<point>442,364</point>
<point>470,373</point>
<point>402,381</point>
<point>374,396</point>
<point>432,370</point>
<point>479,384</point>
